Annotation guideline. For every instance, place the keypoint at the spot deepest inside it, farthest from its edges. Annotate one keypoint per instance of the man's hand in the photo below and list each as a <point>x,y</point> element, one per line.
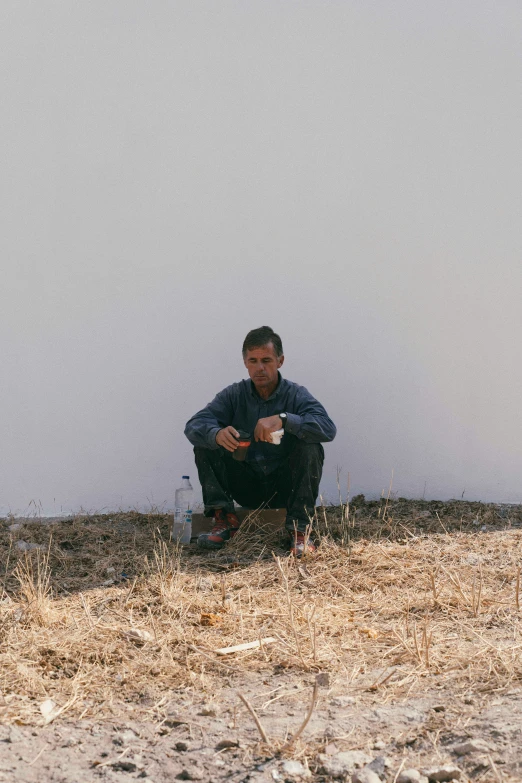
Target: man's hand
<point>265,426</point>
<point>227,438</point>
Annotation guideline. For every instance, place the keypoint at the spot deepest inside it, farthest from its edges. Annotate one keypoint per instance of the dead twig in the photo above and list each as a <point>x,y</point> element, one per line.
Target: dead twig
<point>255,717</point>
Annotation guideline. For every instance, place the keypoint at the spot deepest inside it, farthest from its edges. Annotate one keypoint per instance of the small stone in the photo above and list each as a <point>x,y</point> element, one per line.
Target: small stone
<point>227,743</point>
<point>208,710</point>
<point>365,775</point>
<point>323,679</point>
<point>411,776</point>
<point>14,527</point>
<point>14,735</point>
<point>190,774</point>
<point>472,746</point>
<point>181,746</point>
<point>331,749</point>
<point>124,766</point>
<point>379,745</point>
<point>379,765</point>
<point>442,774</point>
<point>205,585</point>
<point>24,546</point>
<point>128,736</point>
<point>111,570</point>
<point>344,763</point>
<point>342,701</point>
<point>295,769</point>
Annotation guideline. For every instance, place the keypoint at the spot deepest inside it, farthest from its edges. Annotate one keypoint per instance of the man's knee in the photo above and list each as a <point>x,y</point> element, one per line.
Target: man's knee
<point>308,452</point>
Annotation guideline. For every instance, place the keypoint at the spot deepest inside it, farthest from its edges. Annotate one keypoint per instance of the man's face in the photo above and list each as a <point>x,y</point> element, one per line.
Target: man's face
<point>262,365</point>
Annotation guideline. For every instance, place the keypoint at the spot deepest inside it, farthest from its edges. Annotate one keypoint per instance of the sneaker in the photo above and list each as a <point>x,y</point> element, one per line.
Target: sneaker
<point>225,528</point>
<point>301,544</point>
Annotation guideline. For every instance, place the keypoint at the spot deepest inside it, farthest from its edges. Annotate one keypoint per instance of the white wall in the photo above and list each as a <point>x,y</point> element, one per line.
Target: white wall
<point>176,173</point>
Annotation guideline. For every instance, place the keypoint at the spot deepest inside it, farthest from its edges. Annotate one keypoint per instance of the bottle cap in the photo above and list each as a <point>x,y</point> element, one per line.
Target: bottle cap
<point>187,477</point>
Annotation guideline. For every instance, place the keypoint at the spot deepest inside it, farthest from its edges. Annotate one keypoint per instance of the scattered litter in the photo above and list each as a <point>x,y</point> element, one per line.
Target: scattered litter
<point>245,646</point>
<point>295,769</point>
<point>48,708</point>
<point>137,635</point>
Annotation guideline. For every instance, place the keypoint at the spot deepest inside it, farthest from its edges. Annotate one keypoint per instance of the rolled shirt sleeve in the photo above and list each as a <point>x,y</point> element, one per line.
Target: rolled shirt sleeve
<point>309,420</point>
<point>202,428</point>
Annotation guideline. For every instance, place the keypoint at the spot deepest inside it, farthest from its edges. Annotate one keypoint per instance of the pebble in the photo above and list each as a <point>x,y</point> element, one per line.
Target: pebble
<point>442,774</point>
<point>472,746</point>
<point>411,776</point>
<point>24,546</point>
<point>365,775</point>
<point>190,774</point>
<point>181,746</point>
<point>14,735</point>
<point>379,765</point>
<point>14,527</point>
<point>344,763</point>
<point>379,745</point>
<point>208,710</point>
<point>128,736</point>
<point>295,769</point>
<point>342,701</point>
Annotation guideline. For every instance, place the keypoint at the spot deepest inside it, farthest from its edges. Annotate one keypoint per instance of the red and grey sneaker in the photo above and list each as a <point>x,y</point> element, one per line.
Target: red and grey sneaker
<point>301,544</point>
<point>225,528</point>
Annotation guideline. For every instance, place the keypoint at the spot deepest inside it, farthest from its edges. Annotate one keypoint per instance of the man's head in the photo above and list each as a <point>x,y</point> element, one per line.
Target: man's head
<point>263,356</point>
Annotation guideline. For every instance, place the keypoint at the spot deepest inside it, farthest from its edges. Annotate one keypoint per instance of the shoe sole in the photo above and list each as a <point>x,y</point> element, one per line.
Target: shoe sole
<point>204,543</point>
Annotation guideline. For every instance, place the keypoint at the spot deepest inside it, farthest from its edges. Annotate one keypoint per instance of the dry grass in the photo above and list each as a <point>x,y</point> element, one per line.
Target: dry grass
<point>421,594</point>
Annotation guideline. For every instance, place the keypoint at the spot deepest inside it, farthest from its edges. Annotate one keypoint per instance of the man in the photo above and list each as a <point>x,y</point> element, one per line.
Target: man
<point>273,476</point>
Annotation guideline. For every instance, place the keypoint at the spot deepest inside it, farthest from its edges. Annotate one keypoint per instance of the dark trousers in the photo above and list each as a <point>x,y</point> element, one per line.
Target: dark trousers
<point>294,485</point>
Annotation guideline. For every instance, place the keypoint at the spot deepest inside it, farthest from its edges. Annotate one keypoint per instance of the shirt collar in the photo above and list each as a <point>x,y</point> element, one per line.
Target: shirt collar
<point>254,393</point>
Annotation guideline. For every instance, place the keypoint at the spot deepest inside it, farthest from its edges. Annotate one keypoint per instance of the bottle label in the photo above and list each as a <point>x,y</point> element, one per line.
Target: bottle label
<point>178,515</point>
<point>188,516</point>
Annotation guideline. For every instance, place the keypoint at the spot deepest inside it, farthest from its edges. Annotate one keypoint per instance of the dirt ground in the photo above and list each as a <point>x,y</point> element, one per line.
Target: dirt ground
<point>400,642</point>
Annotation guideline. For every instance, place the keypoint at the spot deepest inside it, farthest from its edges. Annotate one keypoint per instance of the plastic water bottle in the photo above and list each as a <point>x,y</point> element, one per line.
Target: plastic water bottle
<point>182,529</point>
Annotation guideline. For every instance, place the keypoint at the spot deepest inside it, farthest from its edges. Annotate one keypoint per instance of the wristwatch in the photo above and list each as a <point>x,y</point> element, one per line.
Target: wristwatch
<point>284,419</point>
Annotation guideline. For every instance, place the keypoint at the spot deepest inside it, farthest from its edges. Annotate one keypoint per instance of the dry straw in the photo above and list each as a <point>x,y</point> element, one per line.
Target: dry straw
<point>108,617</point>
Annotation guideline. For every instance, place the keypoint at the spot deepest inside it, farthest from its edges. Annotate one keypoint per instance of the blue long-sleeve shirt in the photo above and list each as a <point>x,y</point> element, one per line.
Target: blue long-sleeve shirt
<point>241,406</point>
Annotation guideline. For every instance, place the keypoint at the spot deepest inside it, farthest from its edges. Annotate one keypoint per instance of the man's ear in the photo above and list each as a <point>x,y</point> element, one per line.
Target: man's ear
<point>281,360</point>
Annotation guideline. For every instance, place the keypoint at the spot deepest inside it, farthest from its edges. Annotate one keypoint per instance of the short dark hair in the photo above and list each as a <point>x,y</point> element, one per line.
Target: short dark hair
<point>256,338</point>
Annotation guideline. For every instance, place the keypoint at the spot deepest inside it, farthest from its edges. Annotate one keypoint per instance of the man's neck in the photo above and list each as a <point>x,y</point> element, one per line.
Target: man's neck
<point>267,391</point>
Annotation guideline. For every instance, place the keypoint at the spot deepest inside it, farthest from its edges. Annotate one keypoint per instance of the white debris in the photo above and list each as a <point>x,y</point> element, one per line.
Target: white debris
<point>295,769</point>
<point>137,635</point>
<point>49,709</point>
